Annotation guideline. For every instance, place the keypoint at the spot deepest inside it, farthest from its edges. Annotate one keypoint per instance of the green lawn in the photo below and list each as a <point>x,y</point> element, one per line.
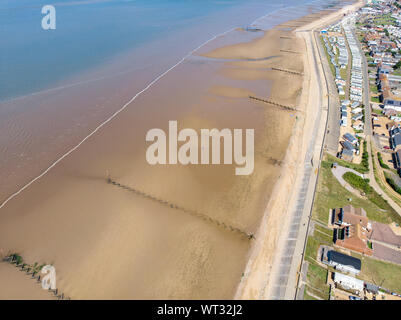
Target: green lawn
<point>332,68</point>
<point>330,194</point>
<point>397,72</point>
<point>385,19</point>
<point>343,73</point>
<point>377,111</point>
<point>385,213</point>
<point>373,89</point>
<point>357,167</point>
<point>386,274</point>
<point>375,99</point>
<point>307,296</point>
<point>316,281</point>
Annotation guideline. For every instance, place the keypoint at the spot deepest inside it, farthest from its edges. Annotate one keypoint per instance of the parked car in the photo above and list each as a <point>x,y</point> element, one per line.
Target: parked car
<point>386,147</point>
<point>354,298</point>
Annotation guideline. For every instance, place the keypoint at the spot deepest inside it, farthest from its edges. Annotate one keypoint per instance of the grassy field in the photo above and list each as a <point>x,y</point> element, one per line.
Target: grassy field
<point>377,111</point>
<point>332,68</point>
<point>373,89</point>
<point>357,167</point>
<point>385,274</point>
<point>316,281</point>
<point>375,99</point>
<point>385,19</point>
<point>397,72</point>
<point>330,194</point>
<point>386,213</point>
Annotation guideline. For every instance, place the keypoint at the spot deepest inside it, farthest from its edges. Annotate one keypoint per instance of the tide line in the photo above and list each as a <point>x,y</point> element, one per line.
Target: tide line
<point>112,117</point>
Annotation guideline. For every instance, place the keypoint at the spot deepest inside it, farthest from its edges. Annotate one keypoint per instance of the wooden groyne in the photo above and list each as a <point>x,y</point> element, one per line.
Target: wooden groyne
<point>288,108</point>
<point>194,213</point>
<point>290,25</point>
<point>32,271</point>
<point>290,51</point>
<point>288,71</point>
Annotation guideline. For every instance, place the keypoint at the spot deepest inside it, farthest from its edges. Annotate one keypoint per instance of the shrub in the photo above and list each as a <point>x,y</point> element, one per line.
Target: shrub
<point>382,164</point>
<point>392,184</point>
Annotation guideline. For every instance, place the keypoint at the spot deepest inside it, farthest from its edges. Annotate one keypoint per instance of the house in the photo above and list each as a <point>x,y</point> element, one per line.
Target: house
<point>392,103</point>
<point>394,130</point>
<point>347,155</point>
<point>397,159</point>
<point>345,103</point>
<point>349,215</point>
<point>353,237</point>
<point>390,112</point>
<point>349,137</point>
<point>348,145</point>
<point>351,229</point>
<point>347,282</point>
<point>354,105</point>
<point>343,262</point>
<point>358,125</point>
<point>395,141</point>
<point>357,110</point>
<point>371,288</point>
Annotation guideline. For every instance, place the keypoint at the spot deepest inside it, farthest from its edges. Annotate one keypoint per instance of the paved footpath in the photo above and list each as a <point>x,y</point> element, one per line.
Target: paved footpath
<point>286,281</point>
<point>339,171</point>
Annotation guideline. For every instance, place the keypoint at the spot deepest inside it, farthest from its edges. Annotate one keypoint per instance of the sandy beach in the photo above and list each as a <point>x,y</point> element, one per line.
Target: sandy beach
<point>107,242</point>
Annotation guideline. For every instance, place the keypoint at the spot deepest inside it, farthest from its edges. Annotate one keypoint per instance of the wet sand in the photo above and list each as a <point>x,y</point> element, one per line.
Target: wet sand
<point>107,242</point>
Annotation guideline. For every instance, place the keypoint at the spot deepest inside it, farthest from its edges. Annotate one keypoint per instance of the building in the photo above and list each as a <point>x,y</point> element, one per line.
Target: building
<point>351,229</point>
<point>353,237</point>
<point>348,216</point>
<point>348,145</point>
<point>349,137</point>
<point>371,288</point>
<point>343,262</point>
<point>397,160</point>
<point>347,155</point>
<point>396,141</point>
<point>347,282</point>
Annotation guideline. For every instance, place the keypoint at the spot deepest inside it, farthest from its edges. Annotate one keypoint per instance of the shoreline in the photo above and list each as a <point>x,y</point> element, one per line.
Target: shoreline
<point>77,135</point>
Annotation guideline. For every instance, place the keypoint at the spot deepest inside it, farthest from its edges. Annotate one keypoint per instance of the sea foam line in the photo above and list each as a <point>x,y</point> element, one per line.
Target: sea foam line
<point>126,105</point>
<point>154,81</point>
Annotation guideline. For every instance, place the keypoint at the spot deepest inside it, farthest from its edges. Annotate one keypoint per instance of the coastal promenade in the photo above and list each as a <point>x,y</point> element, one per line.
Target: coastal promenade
<point>288,262</point>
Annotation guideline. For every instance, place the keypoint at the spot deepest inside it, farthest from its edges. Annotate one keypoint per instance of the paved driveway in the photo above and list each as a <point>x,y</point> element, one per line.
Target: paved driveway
<point>386,253</point>
<point>383,233</point>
